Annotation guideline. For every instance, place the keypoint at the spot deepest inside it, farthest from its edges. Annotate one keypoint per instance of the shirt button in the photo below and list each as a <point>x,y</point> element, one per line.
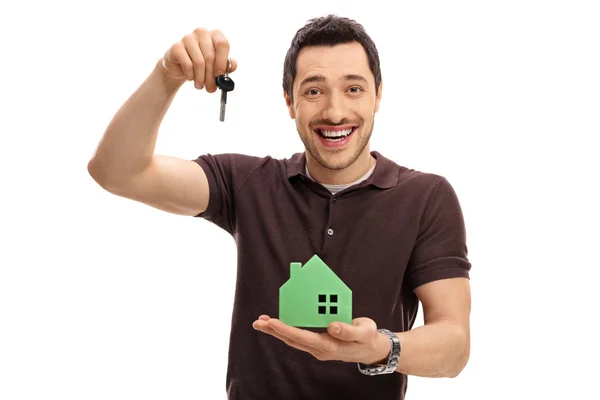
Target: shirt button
<point>330,232</point>
<point>334,200</point>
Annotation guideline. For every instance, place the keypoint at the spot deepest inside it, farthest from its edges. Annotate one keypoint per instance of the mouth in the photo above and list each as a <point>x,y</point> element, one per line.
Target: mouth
<point>335,134</point>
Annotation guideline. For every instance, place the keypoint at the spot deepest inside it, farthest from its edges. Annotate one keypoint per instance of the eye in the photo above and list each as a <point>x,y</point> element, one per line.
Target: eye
<point>355,89</point>
<point>313,92</point>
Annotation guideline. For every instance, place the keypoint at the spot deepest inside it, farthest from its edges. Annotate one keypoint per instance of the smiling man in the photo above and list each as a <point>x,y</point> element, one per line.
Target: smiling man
<point>394,235</point>
<point>333,99</point>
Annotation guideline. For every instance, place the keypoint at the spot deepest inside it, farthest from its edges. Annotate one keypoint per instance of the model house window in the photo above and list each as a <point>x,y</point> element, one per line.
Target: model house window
<point>323,303</point>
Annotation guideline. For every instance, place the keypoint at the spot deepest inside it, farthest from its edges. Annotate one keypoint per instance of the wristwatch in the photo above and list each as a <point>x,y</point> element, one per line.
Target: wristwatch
<point>392,361</point>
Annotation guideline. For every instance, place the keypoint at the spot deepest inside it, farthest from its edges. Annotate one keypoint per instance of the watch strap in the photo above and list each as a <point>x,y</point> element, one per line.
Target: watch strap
<point>392,361</point>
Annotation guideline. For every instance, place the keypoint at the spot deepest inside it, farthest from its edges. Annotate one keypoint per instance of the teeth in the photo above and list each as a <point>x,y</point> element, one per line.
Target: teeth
<point>334,134</point>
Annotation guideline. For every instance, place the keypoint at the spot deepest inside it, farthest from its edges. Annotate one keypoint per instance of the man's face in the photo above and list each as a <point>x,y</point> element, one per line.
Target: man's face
<point>334,94</point>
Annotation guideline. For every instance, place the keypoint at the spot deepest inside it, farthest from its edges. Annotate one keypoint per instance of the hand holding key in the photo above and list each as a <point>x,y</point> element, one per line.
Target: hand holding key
<point>200,57</point>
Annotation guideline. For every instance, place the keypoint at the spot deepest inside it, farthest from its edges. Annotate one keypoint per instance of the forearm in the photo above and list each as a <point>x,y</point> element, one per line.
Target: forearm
<point>128,143</point>
<point>438,349</point>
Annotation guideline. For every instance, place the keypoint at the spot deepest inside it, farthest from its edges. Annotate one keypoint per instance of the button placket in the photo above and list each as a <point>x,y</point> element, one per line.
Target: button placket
<point>330,231</point>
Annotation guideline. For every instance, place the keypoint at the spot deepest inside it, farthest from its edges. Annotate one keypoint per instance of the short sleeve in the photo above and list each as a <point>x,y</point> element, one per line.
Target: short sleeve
<point>440,250</point>
<point>226,174</point>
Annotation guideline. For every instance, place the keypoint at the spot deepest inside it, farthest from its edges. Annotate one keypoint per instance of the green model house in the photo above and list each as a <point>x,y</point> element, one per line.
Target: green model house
<point>314,296</point>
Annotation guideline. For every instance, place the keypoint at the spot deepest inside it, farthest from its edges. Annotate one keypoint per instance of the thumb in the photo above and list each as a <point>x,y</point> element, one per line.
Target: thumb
<point>359,331</point>
<point>234,64</point>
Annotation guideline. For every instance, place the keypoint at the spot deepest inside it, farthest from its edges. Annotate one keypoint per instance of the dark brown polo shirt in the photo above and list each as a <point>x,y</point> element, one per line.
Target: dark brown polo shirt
<point>396,230</point>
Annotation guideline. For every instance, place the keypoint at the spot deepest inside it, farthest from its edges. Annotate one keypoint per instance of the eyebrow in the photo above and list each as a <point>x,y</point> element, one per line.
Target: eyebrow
<point>321,78</point>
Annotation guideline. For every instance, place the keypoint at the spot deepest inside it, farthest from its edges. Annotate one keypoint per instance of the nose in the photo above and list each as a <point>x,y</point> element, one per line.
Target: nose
<point>334,108</point>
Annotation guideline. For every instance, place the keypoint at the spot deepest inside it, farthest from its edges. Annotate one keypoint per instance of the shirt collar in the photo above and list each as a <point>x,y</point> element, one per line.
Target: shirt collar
<point>384,176</point>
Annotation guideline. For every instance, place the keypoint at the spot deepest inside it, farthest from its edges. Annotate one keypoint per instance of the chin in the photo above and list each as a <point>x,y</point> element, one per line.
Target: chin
<point>336,161</point>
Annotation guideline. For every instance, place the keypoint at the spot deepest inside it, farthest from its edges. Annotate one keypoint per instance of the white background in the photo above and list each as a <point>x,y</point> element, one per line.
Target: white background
<point>106,298</point>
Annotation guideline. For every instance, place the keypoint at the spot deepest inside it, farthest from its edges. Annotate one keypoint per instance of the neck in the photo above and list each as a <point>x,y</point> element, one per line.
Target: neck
<point>350,174</point>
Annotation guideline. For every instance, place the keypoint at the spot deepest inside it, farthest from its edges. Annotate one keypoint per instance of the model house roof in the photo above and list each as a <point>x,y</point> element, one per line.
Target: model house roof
<point>314,271</point>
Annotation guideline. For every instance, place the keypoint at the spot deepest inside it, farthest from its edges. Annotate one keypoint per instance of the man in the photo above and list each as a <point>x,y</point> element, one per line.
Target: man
<point>393,235</point>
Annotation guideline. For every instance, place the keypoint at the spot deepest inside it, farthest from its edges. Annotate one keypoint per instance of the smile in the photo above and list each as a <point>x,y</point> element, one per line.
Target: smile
<point>335,134</point>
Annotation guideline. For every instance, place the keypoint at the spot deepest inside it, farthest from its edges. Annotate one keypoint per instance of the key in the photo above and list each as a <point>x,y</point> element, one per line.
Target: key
<point>226,84</point>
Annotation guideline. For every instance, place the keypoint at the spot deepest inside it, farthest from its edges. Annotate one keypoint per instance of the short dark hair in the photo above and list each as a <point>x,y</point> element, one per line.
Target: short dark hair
<point>329,31</point>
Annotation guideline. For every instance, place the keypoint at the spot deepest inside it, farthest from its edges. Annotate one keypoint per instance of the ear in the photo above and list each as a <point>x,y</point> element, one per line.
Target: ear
<point>290,105</point>
<point>378,96</point>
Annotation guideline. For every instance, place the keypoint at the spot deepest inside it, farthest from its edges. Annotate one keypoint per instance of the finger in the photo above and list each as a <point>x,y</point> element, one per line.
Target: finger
<point>197,59</point>
<point>261,322</point>
<point>221,52</point>
<point>178,58</point>
<point>208,52</point>
<point>321,342</point>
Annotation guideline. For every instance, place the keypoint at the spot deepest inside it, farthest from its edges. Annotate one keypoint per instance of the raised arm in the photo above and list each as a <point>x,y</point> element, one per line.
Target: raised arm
<point>124,162</point>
